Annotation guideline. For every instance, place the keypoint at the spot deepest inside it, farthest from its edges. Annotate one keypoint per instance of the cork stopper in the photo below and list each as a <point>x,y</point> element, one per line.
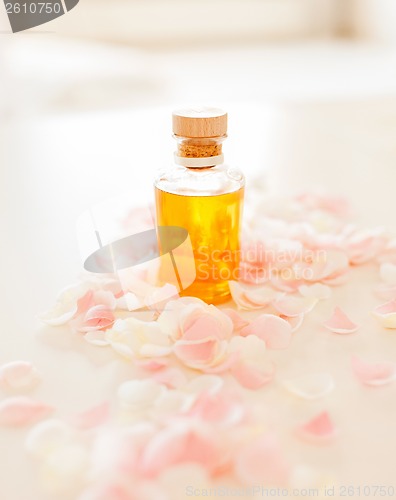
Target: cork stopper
<point>200,122</point>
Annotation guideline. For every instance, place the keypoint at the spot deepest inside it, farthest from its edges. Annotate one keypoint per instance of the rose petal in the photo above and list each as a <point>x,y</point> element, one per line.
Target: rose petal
<point>316,291</point>
<point>340,323</point>
<point>294,321</point>
<point>92,417</point>
<point>250,297</point>
<point>310,386</point>
<point>386,314</point>
<point>275,331</point>
<point>177,444</point>
<point>139,394</point>
<point>65,465</point>
<point>46,436</point>
<point>196,351</point>
<point>98,317</point>
<point>294,306</point>
<point>262,462</point>
<point>97,337</point>
<point>251,377</point>
<point>319,429</point>
<point>171,377</point>
<point>373,373</point>
<point>388,273</point>
<point>19,375</point>
<point>333,263</point>
<point>19,411</point>
<point>205,383</point>
<point>222,408</point>
<point>236,319</point>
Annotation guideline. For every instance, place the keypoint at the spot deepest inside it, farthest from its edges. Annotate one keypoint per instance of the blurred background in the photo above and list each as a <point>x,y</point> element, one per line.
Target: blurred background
<point>85,103</point>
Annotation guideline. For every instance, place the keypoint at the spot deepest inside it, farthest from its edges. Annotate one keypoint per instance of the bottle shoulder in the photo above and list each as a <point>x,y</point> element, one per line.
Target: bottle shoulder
<point>208,181</point>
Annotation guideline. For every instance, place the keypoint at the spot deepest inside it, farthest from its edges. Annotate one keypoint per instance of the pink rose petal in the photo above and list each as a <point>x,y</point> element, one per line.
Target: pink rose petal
<point>373,373</point>
<point>294,306</point>
<point>93,417</point>
<point>262,462</point>
<point>340,323</point>
<point>19,375</point>
<point>170,377</point>
<point>386,314</point>
<point>251,377</point>
<point>177,444</point>
<point>20,411</point>
<point>203,327</point>
<point>236,319</point>
<point>275,331</point>
<point>311,385</point>
<point>201,351</point>
<point>319,429</point>
<point>294,321</point>
<point>98,317</point>
<point>223,408</point>
<point>388,273</point>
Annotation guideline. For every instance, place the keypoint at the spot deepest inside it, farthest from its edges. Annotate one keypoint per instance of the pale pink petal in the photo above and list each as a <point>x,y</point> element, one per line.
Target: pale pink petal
<point>388,273</point>
<point>225,364</point>
<point>152,365</point>
<point>97,337</point>
<point>201,328</point>
<point>251,377</point>
<point>157,299</point>
<point>93,417</point>
<point>294,306</point>
<point>139,394</point>
<point>198,351</point>
<point>260,295</point>
<point>365,245</point>
<point>275,331</point>
<point>294,321</point>
<point>262,462</point>
<point>19,375</point>
<point>286,285</point>
<point>373,373</point>
<point>105,298</point>
<point>319,429</point>
<point>60,314</point>
<point>331,263</point>
<point>222,408</point>
<point>340,323</point>
<point>316,291</point>
<point>248,297</point>
<point>97,318</point>
<point>310,386</point>
<point>68,304</point>
<point>386,314</point>
<point>170,377</point>
<point>336,279</point>
<point>179,444</point>
<point>64,466</point>
<point>20,411</point>
<point>236,319</point>
<point>47,436</point>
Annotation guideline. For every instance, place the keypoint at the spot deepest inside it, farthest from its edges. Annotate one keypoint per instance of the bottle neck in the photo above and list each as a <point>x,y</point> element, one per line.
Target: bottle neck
<point>199,152</point>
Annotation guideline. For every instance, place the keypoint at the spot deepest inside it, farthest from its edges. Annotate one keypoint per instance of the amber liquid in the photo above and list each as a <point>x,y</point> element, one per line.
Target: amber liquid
<point>213,224</point>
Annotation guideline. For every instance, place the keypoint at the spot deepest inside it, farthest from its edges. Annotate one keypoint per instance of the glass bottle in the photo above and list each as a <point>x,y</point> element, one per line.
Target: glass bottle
<point>204,196</point>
